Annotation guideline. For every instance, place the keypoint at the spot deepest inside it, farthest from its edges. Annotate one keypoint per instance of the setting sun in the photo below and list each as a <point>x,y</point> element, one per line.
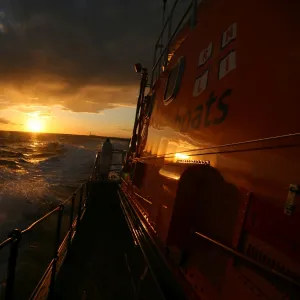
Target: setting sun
<point>34,125</point>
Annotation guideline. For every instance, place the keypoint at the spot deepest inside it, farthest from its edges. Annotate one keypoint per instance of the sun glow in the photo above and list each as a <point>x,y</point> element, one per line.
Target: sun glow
<point>34,125</point>
<point>181,156</point>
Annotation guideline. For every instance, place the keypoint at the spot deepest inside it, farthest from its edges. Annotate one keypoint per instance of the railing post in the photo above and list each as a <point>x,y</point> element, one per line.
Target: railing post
<point>97,166</point>
<point>55,256</point>
<point>123,157</point>
<point>16,234</point>
<point>79,209</point>
<point>153,71</point>
<point>71,221</point>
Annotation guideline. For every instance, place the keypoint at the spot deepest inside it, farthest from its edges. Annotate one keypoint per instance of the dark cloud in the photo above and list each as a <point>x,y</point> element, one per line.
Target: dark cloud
<point>76,53</point>
<point>5,121</point>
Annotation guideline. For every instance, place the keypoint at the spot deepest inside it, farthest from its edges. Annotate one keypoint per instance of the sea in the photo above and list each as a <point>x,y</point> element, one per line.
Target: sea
<point>40,170</point>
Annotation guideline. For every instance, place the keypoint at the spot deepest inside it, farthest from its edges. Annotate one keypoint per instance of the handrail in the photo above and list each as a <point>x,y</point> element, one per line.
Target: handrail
<point>239,254</point>
<point>5,242</point>
<point>141,197</point>
<point>61,248</point>
<point>172,36</point>
<point>167,22</point>
<point>248,259</point>
<point>40,220</point>
<point>158,44</point>
<point>70,197</point>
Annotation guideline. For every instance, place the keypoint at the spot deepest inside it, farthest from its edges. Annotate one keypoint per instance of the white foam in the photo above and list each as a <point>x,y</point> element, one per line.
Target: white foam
<point>47,180</point>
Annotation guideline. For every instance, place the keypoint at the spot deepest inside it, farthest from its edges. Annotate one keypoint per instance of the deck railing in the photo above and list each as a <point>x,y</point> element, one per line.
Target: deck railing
<point>68,215</point>
<point>168,34</point>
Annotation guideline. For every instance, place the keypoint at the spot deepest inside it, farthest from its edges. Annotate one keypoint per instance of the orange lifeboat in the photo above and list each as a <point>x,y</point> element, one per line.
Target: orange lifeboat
<point>214,161</point>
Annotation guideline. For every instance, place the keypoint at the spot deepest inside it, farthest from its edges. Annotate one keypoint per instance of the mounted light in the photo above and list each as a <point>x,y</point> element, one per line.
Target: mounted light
<point>138,68</point>
<point>181,156</point>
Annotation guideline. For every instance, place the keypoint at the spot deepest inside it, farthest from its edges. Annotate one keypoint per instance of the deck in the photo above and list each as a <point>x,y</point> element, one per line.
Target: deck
<point>105,262</point>
<point>104,251</point>
<point>96,268</point>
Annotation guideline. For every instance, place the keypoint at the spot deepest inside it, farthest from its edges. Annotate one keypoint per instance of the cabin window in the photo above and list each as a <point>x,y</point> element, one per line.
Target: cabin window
<point>174,80</point>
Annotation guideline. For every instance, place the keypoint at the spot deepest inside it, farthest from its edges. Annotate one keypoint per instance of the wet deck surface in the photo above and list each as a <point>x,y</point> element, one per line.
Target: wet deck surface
<point>96,268</point>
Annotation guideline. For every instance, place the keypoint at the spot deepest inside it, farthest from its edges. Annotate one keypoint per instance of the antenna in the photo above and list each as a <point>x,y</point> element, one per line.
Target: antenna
<point>164,13</point>
<point>163,24</point>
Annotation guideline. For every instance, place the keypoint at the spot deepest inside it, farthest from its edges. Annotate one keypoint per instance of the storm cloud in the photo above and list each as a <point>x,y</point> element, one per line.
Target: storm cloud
<point>75,53</point>
<point>5,121</point>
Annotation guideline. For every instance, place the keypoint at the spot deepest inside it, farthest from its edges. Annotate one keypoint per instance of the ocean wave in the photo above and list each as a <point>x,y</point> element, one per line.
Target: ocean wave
<point>41,155</point>
<point>10,163</point>
<point>24,149</point>
<point>14,163</point>
<point>72,162</point>
<point>40,173</point>
<point>23,161</point>
<point>7,153</point>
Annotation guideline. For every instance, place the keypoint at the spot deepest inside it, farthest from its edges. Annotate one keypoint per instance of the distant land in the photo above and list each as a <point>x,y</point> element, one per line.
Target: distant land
<point>104,137</point>
<point>66,134</point>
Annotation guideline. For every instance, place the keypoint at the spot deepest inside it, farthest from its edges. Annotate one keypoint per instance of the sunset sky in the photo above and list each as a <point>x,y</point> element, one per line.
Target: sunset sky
<point>66,66</point>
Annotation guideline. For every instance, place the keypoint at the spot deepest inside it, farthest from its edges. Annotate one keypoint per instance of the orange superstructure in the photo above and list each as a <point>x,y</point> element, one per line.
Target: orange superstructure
<point>216,152</point>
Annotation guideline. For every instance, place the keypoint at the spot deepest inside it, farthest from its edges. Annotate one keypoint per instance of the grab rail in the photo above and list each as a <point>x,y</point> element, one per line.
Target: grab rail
<point>158,62</point>
<point>248,259</point>
<point>46,285</point>
<point>5,242</point>
<point>281,276</point>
